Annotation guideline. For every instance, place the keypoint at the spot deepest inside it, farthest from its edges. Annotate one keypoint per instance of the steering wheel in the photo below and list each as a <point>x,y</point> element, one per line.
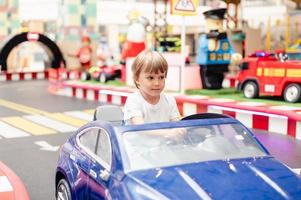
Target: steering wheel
<point>195,136</point>
<point>191,137</point>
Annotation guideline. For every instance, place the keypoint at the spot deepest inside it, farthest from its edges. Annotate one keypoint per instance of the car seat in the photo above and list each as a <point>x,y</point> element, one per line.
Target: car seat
<point>111,113</point>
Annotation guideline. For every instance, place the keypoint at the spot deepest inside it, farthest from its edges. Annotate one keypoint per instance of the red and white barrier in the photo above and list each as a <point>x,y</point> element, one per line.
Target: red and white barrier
<point>229,81</point>
<point>18,76</point>
<point>11,187</point>
<point>65,74</point>
<point>279,119</point>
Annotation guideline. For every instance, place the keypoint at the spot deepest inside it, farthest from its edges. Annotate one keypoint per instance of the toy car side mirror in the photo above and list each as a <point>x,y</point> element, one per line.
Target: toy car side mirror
<point>104,175</point>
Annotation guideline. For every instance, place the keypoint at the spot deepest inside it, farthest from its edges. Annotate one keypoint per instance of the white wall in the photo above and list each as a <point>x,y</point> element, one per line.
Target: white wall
<point>116,13</point>
<point>38,9</point>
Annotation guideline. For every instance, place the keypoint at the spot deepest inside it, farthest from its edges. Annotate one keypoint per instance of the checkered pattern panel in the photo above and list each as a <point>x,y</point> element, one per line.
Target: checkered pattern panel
<point>78,15</point>
<point>9,18</point>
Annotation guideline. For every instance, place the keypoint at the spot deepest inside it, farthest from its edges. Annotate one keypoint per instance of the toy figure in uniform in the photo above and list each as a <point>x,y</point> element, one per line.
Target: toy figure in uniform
<point>84,54</point>
<point>214,52</point>
<point>135,39</point>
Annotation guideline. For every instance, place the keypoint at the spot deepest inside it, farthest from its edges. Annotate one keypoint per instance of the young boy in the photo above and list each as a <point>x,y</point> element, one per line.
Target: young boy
<point>150,104</point>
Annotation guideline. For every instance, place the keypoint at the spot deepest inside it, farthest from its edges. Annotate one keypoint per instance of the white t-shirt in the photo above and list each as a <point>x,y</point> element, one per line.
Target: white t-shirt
<point>164,111</point>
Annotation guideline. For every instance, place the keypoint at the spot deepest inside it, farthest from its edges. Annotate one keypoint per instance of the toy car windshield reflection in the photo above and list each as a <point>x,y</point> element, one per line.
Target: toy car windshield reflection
<point>148,149</point>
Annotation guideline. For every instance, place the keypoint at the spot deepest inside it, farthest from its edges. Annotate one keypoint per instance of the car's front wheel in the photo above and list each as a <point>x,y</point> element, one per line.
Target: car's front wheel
<point>251,90</point>
<point>292,93</point>
<point>63,191</point>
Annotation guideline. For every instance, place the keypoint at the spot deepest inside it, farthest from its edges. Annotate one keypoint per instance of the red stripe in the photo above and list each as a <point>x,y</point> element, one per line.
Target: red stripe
<point>261,122</point>
<point>46,74</point>
<point>96,95</point>
<point>109,98</point>
<point>201,108</point>
<point>84,93</point>
<point>34,75</point>
<point>73,91</point>
<point>21,76</point>
<point>232,82</point>
<point>291,127</point>
<point>180,107</point>
<point>123,99</point>
<point>8,77</point>
<point>230,113</point>
<point>68,75</point>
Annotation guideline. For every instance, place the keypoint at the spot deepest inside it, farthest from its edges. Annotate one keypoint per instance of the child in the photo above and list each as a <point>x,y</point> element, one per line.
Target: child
<point>150,104</point>
<point>84,54</point>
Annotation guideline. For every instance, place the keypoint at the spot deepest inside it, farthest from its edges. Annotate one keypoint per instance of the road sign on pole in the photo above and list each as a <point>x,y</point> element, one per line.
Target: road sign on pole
<point>184,7</point>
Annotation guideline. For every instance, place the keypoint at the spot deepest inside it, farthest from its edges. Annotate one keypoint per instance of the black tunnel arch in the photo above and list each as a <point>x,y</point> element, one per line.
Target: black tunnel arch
<point>57,56</point>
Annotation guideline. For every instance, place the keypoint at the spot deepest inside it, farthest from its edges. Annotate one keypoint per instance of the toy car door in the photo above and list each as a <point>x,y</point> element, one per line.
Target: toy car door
<point>87,144</point>
<point>100,166</point>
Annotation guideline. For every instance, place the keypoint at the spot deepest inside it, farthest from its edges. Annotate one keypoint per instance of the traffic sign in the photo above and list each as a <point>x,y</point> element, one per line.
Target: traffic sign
<point>184,7</point>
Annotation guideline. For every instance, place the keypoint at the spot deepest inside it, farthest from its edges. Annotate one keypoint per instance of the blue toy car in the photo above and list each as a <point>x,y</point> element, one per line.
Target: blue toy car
<point>216,158</point>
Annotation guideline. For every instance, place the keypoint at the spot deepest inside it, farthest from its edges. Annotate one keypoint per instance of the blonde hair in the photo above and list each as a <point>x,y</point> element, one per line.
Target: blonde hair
<point>149,61</point>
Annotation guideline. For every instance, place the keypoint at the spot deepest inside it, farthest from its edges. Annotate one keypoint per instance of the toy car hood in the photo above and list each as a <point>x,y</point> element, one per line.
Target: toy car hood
<point>264,178</point>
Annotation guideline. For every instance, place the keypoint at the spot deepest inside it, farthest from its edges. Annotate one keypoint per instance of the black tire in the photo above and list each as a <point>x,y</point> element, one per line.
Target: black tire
<point>85,76</point>
<point>213,81</point>
<point>292,93</point>
<point>63,191</point>
<point>250,90</point>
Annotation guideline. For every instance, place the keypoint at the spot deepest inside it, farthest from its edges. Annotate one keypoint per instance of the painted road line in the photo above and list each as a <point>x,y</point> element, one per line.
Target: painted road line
<point>8,131</point>
<point>50,123</point>
<point>21,108</point>
<point>80,115</point>
<point>67,119</point>
<point>28,126</point>
<point>5,185</point>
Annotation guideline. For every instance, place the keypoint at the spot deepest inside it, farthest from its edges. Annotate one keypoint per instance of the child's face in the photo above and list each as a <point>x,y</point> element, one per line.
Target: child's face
<point>151,84</point>
<point>85,43</point>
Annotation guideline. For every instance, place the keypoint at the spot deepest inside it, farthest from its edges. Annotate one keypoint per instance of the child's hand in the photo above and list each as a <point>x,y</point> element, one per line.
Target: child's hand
<point>177,134</point>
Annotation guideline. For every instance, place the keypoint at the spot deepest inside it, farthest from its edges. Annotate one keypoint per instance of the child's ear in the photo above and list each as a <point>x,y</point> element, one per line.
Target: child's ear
<point>136,81</point>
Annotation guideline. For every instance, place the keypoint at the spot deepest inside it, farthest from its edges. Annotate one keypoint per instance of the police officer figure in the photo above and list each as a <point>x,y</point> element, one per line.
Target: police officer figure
<point>214,52</point>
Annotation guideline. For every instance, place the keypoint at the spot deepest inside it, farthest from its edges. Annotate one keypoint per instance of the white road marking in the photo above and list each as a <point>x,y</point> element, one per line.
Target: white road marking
<point>5,185</point>
<point>56,125</point>
<point>8,131</point>
<point>80,115</point>
<point>46,146</point>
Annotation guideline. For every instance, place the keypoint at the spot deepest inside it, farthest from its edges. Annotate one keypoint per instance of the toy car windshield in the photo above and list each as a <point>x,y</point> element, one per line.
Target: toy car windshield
<point>153,148</point>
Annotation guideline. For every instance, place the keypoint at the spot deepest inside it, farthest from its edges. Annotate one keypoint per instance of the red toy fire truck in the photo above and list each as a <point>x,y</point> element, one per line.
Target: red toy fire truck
<point>271,75</point>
